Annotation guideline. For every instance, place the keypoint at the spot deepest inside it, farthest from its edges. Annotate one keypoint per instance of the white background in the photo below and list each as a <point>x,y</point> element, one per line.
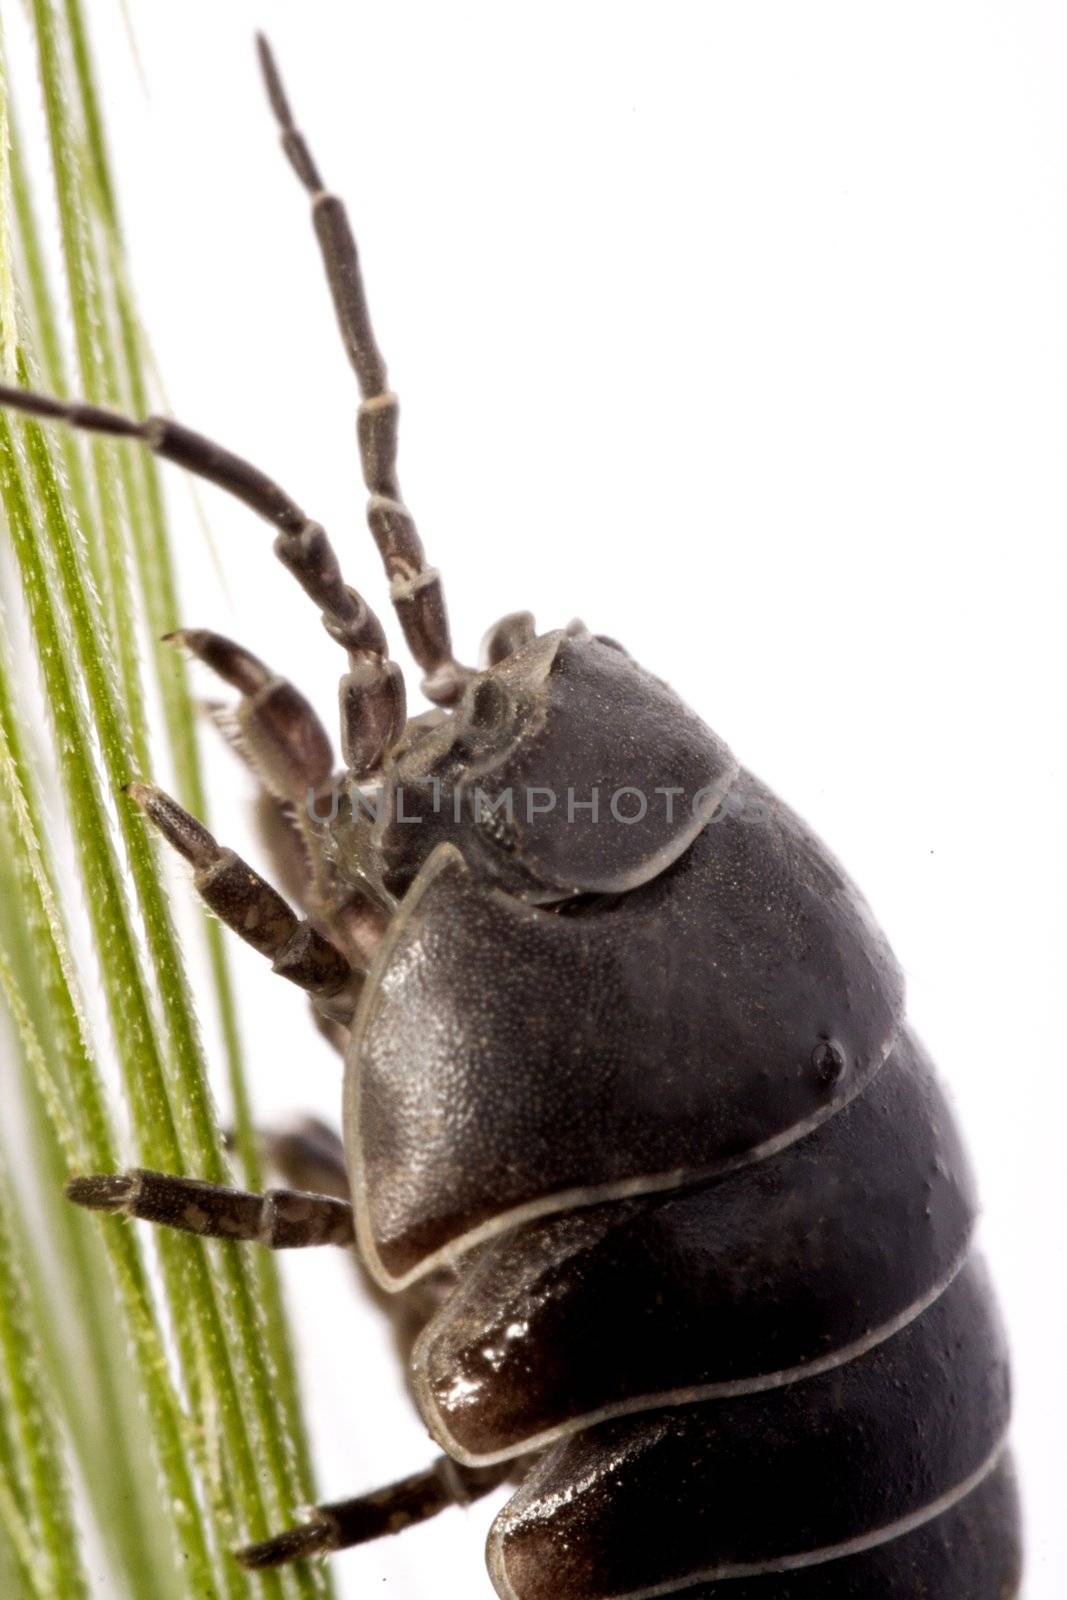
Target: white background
<point>739,332</point>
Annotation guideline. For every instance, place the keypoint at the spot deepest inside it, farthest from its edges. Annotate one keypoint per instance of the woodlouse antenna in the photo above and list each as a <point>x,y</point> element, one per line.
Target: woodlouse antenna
<point>373,700</point>
<point>302,545</point>
<point>415,587</point>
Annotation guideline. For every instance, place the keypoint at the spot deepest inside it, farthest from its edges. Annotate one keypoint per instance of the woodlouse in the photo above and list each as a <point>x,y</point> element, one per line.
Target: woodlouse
<point>608,1067</point>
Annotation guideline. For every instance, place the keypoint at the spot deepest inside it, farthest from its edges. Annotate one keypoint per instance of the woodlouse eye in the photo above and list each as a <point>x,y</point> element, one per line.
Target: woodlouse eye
<point>488,704</point>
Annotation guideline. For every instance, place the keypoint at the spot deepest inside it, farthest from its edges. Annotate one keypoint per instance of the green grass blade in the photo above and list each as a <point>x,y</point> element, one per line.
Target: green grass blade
<point>83,1095</point>
<point>104,1420</point>
<point>41,306</point>
<point>53,1525</point>
<point>192,1292</point>
<point>234,1358</point>
<point>159,599</point>
<point>19,1555</point>
<point>112,467</point>
<point>158,590</point>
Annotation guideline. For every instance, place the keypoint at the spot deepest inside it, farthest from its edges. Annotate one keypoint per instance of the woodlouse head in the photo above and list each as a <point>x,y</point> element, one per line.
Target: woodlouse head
<point>564,770</point>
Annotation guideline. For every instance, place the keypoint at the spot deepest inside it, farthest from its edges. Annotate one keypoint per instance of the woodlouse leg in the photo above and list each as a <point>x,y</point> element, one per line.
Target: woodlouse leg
<point>308,1155</point>
<point>286,1219</point>
<point>246,903</point>
<point>373,693</point>
<point>291,847</point>
<point>336,1034</point>
<point>278,734</point>
<point>285,845</point>
<point>349,915</point>
<point>344,1523</point>
<point>277,729</point>
<point>281,1219</point>
<point>416,590</point>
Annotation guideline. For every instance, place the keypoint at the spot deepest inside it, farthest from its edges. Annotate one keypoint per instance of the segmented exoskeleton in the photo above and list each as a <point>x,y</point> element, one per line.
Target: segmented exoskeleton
<point>661,1191</point>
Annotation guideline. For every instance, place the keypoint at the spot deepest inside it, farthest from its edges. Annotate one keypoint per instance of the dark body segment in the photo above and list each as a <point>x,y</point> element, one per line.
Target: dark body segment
<point>508,1061</point>
<point>971,1552</point>
<point>803,1258</point>
<point>724,1487</point>
<point>593,774</point>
